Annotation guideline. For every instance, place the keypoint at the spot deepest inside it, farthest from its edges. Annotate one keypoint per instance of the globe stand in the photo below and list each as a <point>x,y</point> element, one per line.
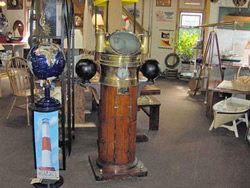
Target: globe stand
<point>83,81</point>
<point>49,183</point>
<point>47,101</point>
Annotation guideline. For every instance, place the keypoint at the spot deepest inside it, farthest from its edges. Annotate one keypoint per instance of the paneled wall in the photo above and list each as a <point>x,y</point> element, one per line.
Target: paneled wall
<point>160,20</point>
<point>12,16</point>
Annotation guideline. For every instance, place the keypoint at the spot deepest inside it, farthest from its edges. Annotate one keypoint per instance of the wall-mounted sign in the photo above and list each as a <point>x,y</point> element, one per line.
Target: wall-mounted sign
<point>166,39</point>
<point>46,145</point>
<point>163,3</point>
<point>164,16</point>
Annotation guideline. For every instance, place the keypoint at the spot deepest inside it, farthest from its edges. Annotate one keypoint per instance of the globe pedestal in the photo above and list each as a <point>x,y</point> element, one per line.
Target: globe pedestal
<point>50,183</point>
<point>47,60</point>
<point>47,101</point>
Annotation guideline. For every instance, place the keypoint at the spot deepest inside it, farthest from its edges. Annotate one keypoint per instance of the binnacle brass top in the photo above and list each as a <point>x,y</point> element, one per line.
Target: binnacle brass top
<point>122,43</point>
<point>120,57</point>
<point>120,61</point>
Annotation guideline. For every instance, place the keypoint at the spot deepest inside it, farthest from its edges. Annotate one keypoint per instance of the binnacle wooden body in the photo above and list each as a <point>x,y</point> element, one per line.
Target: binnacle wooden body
<point>118,111</point>
<point>117,131</point>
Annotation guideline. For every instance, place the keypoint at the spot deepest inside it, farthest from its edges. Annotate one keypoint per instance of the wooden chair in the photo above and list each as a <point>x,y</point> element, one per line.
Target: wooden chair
<point>19,77</point>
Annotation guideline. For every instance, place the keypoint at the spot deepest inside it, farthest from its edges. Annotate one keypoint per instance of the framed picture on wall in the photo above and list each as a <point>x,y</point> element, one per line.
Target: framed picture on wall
<point>166,39</point>
<point>163,3</point>
<point>78,20</point>
<point>193,2</point>
<point>228,14</point>
<point>14,4</point>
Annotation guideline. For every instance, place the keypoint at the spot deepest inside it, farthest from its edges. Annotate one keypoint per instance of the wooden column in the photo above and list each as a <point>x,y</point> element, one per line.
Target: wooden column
<point>114,15</point>
<point>117,131</point>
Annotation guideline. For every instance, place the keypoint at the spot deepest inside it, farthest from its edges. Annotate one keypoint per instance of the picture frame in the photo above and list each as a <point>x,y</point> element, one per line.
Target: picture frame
<point>14,4</point>
<point>226,12</point>
<point>163,3</point>
<point>47,152</point>
<point>193,2</point>
<point>78,20</point>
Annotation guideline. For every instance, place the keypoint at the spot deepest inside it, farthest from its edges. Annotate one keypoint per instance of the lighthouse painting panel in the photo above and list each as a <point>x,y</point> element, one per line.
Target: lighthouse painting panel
<point>46,144</point>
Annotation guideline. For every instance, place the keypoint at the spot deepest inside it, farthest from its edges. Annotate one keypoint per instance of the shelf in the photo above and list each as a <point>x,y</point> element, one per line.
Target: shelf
<point>46,37</point>
<point>102,3</point>
<point>241,19</point>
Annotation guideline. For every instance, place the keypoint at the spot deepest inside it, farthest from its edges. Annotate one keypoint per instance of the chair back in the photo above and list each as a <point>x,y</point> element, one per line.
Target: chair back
<point>19,76</point>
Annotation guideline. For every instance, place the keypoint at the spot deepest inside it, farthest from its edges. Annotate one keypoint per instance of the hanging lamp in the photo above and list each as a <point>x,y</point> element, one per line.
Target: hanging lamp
<point>2,3</point>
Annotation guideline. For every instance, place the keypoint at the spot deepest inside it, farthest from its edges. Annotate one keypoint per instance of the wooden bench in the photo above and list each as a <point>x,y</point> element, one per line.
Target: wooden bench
<point>151,106</point>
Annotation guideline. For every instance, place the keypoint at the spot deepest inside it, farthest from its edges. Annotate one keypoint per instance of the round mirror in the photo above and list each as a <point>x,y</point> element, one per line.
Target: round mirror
<point>125,43</point>
<point>18,30</point>
<point>172,60</point>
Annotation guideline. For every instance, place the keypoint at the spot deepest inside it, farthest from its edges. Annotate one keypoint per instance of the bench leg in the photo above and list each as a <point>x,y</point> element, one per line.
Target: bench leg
<point>209,107</point>
<point>211,127</point>
<point>154,118</point>
<point>0,89</point>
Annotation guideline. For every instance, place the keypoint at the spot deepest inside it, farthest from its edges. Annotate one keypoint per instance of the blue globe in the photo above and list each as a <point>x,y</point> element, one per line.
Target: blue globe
<point>46,60</point>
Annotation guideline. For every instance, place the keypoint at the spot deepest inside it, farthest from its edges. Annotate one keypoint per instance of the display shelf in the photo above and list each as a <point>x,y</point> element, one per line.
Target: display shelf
<point>102,3</point>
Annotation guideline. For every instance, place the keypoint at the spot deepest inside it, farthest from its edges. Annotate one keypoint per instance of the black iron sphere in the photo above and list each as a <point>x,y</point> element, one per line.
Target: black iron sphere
<point>86,69</point>
<point>151,69</point>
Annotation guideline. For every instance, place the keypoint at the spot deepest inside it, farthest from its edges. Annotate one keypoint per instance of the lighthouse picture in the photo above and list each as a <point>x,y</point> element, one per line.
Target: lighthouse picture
<point>46,144</point>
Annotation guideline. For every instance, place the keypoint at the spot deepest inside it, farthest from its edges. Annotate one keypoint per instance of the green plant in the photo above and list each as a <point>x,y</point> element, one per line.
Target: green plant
<point>185,45</point>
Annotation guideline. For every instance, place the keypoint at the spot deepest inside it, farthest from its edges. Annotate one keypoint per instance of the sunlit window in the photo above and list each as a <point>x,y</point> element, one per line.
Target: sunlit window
<point>28,12</point>
<point>189,19</point>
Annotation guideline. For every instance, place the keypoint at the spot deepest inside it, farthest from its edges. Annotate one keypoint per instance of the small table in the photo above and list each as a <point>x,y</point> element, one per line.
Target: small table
<point>214,87</point>
<point>150,90</point>
<point>229,110</point>
<point>13,46</point>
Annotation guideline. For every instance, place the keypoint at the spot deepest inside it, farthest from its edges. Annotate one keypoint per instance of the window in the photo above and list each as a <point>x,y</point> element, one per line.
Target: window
<point>189,19</point>
<point>28,12</point>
